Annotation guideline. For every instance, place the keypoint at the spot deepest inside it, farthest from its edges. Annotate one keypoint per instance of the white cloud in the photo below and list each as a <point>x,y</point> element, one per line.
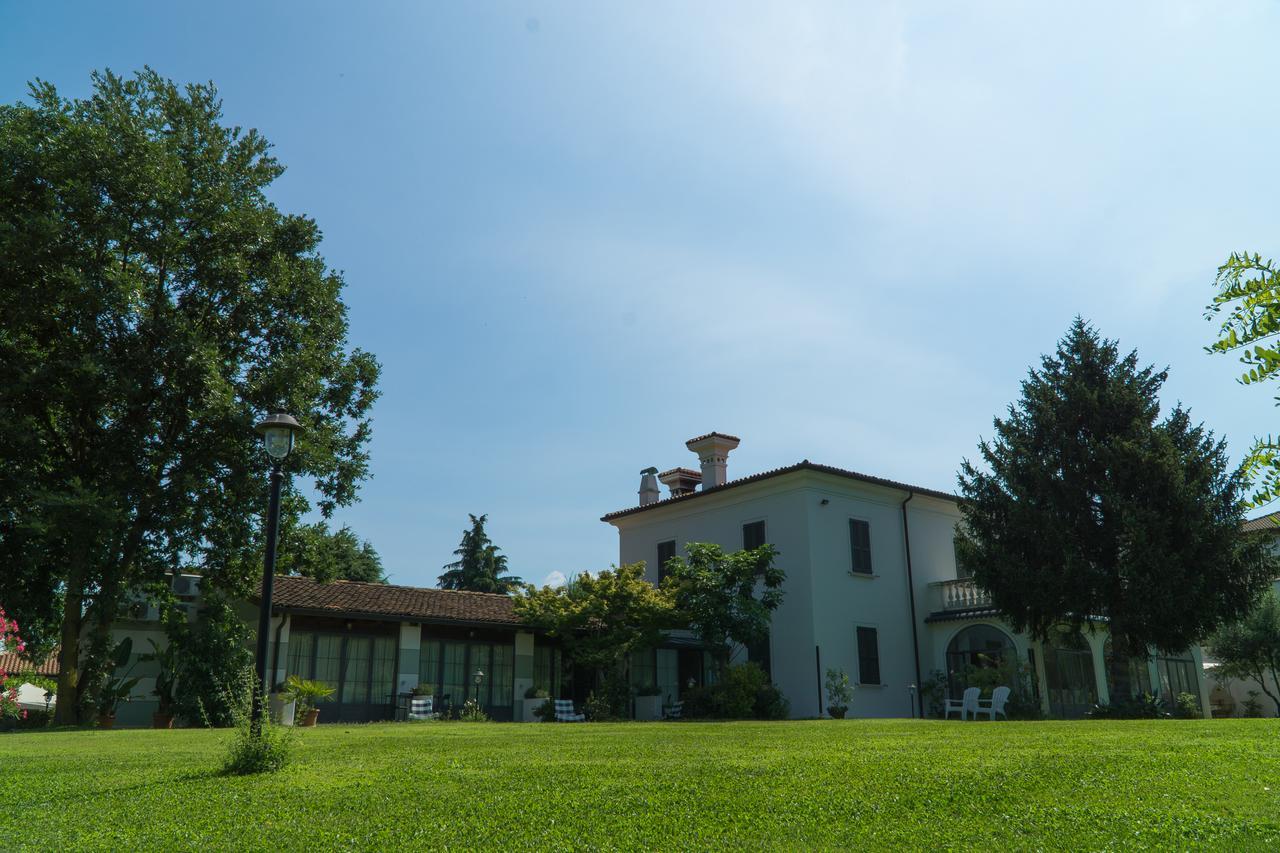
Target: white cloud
<point>554,578</point>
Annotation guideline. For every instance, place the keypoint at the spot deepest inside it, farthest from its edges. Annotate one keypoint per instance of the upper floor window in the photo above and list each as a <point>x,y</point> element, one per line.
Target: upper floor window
<point>860,546</point>
<point>752,535</point>
<point>666,550</point>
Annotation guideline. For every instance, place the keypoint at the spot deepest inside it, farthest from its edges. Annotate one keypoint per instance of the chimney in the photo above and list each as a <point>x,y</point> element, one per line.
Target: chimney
<point>713,452</point>
<point>649,493</point>
<point>681,481</point>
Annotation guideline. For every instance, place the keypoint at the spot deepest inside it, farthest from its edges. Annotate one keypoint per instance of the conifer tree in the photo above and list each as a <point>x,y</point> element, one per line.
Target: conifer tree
<point>479,565</point>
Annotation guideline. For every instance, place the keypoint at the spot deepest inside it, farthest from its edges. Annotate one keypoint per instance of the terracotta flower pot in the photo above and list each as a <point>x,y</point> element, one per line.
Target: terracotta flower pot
<point>106,721</point>
<point>837,712</point>
<point>309,718</point>
<point>161,721</point>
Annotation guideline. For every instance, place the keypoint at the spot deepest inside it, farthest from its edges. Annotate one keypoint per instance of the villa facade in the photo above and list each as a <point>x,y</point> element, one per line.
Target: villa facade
<point>873,588</point>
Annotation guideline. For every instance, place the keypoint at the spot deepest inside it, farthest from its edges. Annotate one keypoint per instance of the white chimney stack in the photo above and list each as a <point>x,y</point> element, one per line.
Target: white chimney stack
<point>681,481</point>
<point>649,493</point>
<point>713,452</point>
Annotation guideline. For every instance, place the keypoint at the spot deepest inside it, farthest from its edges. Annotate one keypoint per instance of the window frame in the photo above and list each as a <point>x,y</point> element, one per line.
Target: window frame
<point>854,550</point>
<point>662,564</point>
<point>857,640</point>
<point>764,533</point>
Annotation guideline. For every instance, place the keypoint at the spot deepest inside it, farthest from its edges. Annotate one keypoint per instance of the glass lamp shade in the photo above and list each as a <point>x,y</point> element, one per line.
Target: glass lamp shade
<point>479,676</point>
<point>278,441</point>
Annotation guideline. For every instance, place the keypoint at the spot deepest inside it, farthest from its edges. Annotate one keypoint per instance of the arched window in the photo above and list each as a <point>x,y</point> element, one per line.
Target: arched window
<point>1127,675</point>
<point>1068,674</point>
<point>978,654</point>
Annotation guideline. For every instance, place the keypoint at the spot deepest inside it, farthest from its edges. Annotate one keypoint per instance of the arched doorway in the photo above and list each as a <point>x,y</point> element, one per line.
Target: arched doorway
<point>980,656</point>
<point>1128,676</point>
<point>1068,674</point>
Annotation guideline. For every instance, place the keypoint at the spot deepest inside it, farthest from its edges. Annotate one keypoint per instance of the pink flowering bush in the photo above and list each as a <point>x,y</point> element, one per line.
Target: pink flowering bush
<point>10,641</point>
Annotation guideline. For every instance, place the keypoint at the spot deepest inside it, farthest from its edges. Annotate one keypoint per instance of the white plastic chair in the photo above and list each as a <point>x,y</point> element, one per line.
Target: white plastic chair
<point>565,714</point>
<point>967,706</point>
<point>994,705</point>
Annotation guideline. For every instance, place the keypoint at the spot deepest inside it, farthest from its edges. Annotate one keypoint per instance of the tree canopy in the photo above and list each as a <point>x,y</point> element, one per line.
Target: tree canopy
<point>154,304</point>
<point>314,551</point>
<point>1249,294</point>
<point>1090,505</point>
<point>726,598</point>
<point>480,565</point>
<point>1250,647</point>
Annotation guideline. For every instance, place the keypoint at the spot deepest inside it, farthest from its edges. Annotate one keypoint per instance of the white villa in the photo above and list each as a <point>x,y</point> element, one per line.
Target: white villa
<point>872,588</point>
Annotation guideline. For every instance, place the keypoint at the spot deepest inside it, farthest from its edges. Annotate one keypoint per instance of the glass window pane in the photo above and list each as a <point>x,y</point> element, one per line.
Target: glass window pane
<point>355,683</point>
<point>328,652</point>
<point>429,664</point>
<point>668,674</point>
<point>384,670</point>
<point>454,682</point>
<point>644,669</point>
<point>302,645</point>
<point>479,660</point>
<point>503,675</point>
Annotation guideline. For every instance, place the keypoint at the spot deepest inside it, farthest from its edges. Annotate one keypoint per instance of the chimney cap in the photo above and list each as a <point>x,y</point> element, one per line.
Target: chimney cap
<point>724,437</point>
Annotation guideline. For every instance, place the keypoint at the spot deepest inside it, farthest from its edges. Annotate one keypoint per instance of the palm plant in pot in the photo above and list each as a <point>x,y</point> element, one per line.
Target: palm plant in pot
<point>839,693</point>
<point>116,689</point>
<point>166,678</point>
<point>306,694</point>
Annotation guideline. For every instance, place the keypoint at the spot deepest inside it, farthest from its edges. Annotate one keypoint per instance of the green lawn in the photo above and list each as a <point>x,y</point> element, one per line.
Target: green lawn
<point>813,784</point>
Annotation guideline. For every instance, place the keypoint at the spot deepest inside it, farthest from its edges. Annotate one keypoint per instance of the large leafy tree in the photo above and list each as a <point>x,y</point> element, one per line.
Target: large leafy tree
<point>1091,505</point>
<point>726,598</point>
<point>1250,648</point>
<point>316,552</point>
<point>601,618</point>
<point>480,565</point>
<point>1248,305</point>
<point>153,305</point>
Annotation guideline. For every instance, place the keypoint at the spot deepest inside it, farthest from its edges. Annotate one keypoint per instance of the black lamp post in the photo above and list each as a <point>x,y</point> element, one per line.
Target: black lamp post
<point>277,433</point>
<point>478,678</point>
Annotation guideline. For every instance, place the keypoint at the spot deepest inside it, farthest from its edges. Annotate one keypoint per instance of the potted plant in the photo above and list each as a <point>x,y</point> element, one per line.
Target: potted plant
<point>649,702</point>
<point>534,698</point>
<point>116,689</point>
<point>166,677</point>
<point>839,693</point>
<point>305,694</point>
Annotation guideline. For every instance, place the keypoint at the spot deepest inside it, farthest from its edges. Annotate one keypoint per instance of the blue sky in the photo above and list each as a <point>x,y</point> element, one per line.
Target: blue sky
<point>578,234</point>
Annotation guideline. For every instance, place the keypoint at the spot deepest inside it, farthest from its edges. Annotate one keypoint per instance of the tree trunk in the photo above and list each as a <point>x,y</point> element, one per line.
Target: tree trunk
<point>67,712</point>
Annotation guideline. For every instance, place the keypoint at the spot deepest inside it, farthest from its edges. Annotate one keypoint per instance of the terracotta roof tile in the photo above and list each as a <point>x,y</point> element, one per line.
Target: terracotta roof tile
<point>386,601</point>
<point>1263,523</point>
<point>806,465</point>
<point>12,662</point>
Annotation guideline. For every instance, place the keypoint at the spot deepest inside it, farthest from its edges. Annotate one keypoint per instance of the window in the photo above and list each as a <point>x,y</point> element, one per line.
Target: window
<point>328,660</point>
<point>644,668</point>
<point>860,545</point>
<point>384,670</point>
<point>302,648</point>
<point>666,550</point>
<point>429,663</point>
<point>962,571</point>
<point>502,674</point>
<point>868,656</point>
<point>752,535</point>
<point>546,669</point>
<point>355,686</point>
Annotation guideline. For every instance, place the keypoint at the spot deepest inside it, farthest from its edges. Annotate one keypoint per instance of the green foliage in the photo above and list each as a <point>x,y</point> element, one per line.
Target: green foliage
<point>116,688</point>
<point>536,692</point>
<point>599,709</point>
<point>1186,706</point>
<point>306,693</point>
<point>715,594</point>
<point>1251,707</point>
<point>839,692</point>
<point>166,658</point>
<point>265,750</point>
<point>864,785</point>
<point>479,565</point>
<point>313,551</point>
<point>215,676</point>
<point>1144,707</point>
<point>1249,293</point>
<point>744,693</point>
<point>546,712</point>
<point>600,619</point>
<point>471,712</point>
<point>154,304</point>
<point>1090,505</point>
<point>1250,647</point>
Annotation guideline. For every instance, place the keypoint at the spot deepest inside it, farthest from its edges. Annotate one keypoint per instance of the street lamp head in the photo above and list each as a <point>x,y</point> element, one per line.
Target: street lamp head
<point>277,433</point>
<point>479,676</point>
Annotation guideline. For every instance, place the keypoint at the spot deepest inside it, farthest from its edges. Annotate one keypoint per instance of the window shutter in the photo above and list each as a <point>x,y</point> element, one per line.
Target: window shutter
<point>868,656</point>
<point>860,546</point>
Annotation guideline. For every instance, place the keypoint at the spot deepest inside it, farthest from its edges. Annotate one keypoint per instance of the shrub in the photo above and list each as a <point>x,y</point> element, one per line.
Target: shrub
<point>839,693</point>
<point>264,751</point>
<point>1144,707</point>
<point>306,693</point>
<point>743,693</point>
<point>1251,707</point>
<point>597,709</point>
<point>215,680</point>
<point>546,711</point>
<point>1186,706</point>
<point>472,712</point>
<point>25,720</point>
<point>536,693</point>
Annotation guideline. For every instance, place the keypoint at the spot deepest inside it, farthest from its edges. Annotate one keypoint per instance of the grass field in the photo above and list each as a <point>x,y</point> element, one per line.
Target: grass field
<point>812,784</point>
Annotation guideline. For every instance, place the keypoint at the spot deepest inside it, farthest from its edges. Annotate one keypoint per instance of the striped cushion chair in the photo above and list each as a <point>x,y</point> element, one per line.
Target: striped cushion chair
<point>565,714</point>
<point>672,711</point>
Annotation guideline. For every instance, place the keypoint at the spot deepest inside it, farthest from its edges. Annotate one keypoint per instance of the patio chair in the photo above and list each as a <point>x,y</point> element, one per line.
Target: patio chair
<point>967,706</point>
<point>672,711</point>
<point>994,705</point>
<point>565,713</point>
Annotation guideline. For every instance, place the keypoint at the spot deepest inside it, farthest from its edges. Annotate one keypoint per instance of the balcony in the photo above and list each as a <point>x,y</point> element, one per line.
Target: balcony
<point>961,594</point>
